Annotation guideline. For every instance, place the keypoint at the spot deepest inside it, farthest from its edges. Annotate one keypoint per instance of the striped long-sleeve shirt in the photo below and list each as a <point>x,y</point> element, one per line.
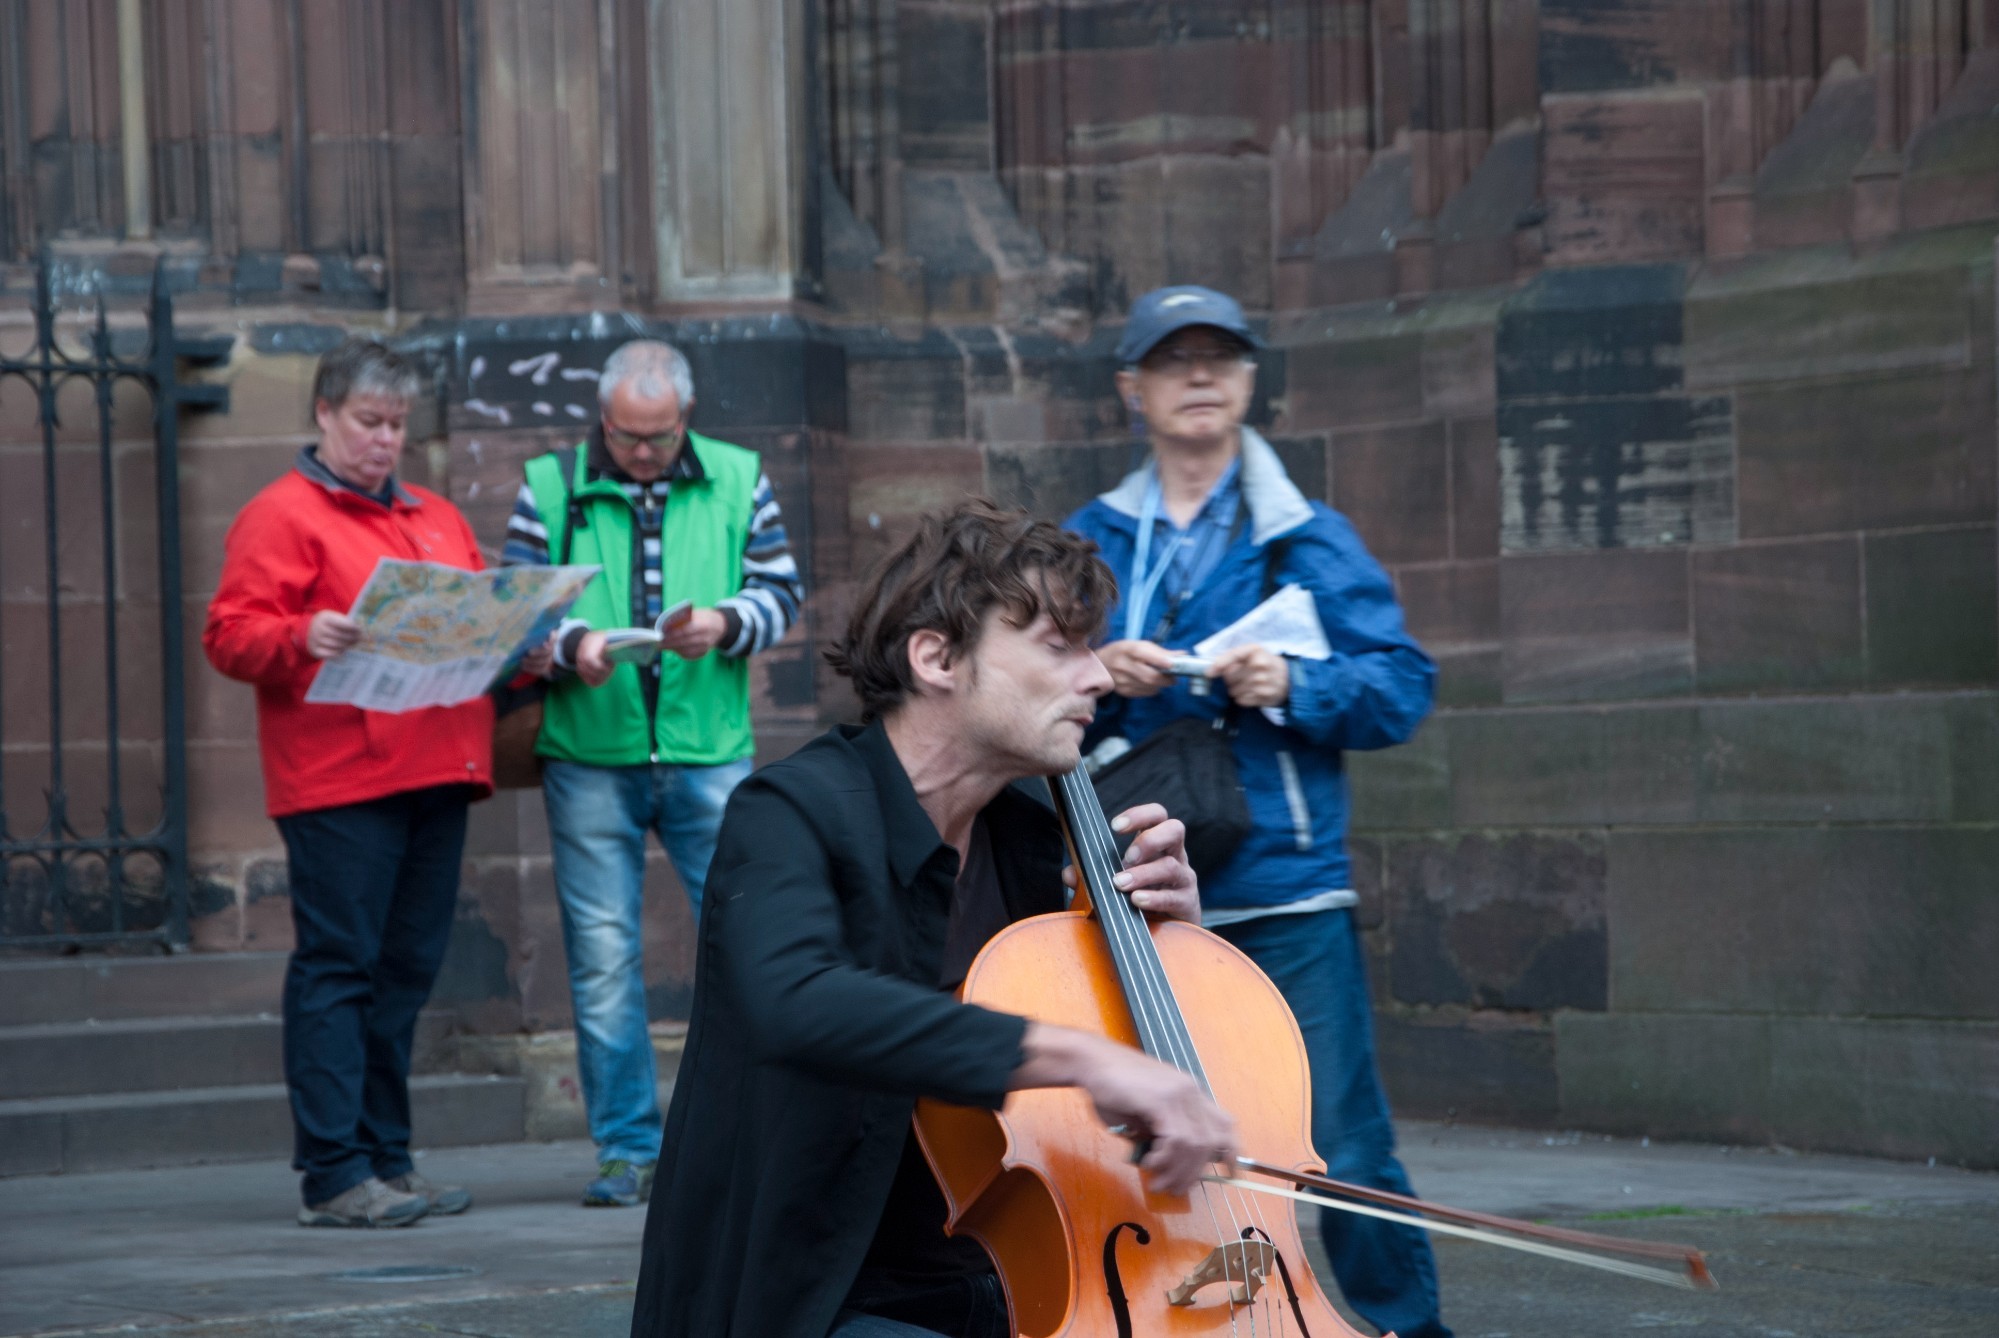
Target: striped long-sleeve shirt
<point>758,615</point>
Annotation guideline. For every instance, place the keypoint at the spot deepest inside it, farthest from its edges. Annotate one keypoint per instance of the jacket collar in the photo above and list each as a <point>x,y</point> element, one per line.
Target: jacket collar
<point>1274,502</point>
<point>309,464</point>
<point>912,838</point>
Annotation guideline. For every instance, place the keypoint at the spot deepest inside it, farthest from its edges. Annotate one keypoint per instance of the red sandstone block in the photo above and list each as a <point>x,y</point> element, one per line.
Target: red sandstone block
<point>1785,615</point>
<point>1887,451</point>
<point>1453,607</point>
<point>1475,503</point>
<point>1592,626</point>
<point>890,487</point>
<point>1353,382</point>
<point>216,481</point>
<point>1458,372</point>
<point>1623,177</point>
<point>1392,482</point>
<point>226,801</point>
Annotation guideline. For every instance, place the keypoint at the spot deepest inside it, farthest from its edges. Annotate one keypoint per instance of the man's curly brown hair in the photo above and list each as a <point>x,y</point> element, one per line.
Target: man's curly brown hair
<point>946,577</point>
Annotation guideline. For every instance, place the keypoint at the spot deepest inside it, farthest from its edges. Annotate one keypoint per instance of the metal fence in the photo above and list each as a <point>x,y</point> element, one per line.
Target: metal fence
<point>93,794</point>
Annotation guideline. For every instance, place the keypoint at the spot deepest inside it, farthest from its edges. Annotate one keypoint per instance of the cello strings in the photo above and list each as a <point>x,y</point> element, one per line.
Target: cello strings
<point>1126,927</point>
<point>1130,923</point>
<point>1147,972</point>
<point>1149,995</point>
<point>1115,913</point>
<point>1216,1226</point>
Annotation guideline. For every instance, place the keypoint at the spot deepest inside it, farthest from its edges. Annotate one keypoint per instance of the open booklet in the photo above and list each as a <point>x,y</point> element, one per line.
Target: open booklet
<point>636,645</point>
<point>642,645</point>
<point>433,635</point>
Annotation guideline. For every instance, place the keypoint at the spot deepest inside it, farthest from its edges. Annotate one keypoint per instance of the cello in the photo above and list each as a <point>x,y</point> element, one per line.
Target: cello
<point>1082,1247</point>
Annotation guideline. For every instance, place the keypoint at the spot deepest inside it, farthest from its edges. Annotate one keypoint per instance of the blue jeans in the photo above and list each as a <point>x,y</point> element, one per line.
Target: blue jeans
<point>597,821</point>
<point>1385,1269</point>
<point>372,890</point>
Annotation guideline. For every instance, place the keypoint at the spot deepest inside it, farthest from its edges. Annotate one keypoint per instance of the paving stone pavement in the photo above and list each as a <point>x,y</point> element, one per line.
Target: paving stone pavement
<point>1805,1247</point>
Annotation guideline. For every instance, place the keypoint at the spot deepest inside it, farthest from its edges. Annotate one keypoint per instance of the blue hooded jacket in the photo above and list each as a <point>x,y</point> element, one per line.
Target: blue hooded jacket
<point>1372,693</point>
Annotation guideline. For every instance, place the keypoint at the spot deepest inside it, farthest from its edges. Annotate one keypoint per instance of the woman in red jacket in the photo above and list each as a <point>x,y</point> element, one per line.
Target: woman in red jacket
<point>371,806</point>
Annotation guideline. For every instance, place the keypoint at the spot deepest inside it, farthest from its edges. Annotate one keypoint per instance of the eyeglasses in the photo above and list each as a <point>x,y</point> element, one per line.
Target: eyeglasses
<point>1181,359</point>
<point>664,442</point>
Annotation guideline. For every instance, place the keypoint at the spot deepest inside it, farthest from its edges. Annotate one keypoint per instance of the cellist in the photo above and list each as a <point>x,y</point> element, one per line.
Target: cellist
<point>852,886</point>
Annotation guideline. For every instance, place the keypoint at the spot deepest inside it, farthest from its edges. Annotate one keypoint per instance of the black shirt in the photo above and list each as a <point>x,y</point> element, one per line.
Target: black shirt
<point>910,1238</point>
<point>978,907</point>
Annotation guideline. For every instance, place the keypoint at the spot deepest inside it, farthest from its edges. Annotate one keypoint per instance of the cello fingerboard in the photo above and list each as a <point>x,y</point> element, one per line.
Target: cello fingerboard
<point>1155,1012</point>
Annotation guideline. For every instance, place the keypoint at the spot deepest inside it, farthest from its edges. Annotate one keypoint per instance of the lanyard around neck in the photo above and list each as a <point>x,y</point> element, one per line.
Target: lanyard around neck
<point>1145,583</point>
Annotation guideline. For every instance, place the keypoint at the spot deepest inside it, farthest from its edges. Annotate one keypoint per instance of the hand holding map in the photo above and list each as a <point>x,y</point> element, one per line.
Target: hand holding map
<point>433,635</point>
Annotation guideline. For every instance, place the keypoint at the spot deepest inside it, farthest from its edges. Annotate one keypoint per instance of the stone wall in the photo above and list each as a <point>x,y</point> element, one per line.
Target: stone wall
<point>1649,344</point>
<point>1700,840</point>
<point>1647,347</point>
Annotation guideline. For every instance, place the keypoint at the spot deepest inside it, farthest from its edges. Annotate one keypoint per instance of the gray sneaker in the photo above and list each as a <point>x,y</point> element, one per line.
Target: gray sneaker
<point>620,1184</point>
<point>368,1204</point>
<point>444,1200</point>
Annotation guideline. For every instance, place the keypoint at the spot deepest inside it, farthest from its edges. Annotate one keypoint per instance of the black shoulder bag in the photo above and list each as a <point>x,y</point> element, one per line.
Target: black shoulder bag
<point>1188,765</point>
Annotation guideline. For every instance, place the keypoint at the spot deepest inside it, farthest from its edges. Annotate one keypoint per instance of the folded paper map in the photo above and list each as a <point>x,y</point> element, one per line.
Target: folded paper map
<point>433,635</point>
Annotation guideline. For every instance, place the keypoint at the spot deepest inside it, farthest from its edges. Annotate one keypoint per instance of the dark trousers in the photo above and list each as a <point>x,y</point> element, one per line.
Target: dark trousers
<point>882,1304</point>
<point>1385,1269</point>
<point>373,886</point>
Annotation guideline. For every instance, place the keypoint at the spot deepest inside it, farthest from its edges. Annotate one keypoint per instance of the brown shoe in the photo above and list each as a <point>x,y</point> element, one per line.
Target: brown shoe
<point>368,1204</point>
<point>444,1200</point>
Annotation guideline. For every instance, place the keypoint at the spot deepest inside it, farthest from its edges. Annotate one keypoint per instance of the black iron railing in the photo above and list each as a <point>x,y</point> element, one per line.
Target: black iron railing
<point>76,878</point>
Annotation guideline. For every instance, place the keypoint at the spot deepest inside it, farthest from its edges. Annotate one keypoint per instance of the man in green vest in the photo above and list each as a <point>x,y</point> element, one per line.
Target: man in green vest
<point>674,519</point>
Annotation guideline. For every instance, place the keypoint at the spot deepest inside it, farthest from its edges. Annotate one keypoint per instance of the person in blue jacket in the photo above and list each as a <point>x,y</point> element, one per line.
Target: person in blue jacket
<point>1197,537</point>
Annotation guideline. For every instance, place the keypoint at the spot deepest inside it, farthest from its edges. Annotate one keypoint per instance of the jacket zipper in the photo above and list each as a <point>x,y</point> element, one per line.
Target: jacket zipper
<point>1294,795</point>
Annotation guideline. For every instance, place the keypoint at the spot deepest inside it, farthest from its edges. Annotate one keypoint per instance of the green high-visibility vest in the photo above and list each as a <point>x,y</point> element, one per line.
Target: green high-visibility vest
<point>703,717</point>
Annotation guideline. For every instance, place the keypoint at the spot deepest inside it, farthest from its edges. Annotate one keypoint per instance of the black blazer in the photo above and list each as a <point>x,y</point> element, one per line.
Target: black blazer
<point>816,1024</point>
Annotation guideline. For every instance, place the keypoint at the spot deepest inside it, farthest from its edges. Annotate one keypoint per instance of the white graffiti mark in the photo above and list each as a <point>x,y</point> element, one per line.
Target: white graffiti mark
<point>478,370</point>
<point>576,411</point>
<point>477,449</point>
<point>544,408</point>
<point>493,411</point>
<point>579,373</point>
<point>543,365</point>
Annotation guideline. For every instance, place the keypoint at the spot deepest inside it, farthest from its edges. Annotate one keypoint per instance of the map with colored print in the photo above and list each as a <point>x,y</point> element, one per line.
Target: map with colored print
<point>433,635</point>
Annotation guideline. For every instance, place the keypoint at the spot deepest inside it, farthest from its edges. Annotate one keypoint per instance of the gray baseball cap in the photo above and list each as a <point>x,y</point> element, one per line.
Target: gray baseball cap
<point>1163,310</point>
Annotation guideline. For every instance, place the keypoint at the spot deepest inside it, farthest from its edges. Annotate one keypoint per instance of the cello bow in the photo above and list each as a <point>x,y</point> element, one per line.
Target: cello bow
<point>1577,1247</point>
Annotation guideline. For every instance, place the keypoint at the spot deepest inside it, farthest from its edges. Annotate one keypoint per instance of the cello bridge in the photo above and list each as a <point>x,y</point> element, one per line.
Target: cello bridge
<point>1244,1263</point>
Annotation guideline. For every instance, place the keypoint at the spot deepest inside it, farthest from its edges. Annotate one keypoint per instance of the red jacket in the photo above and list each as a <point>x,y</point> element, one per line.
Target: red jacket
<point>301,546</point>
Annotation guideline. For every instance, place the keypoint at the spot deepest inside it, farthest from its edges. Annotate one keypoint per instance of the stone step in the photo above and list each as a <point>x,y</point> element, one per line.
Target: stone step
<point>49,1135</point>
<point>139,1055</point>
<point>77,989</point>
<point>164,1054</point>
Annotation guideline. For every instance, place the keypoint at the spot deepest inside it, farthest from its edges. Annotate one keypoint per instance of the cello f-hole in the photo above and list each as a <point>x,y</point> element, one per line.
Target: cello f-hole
<point>1113,1282</point>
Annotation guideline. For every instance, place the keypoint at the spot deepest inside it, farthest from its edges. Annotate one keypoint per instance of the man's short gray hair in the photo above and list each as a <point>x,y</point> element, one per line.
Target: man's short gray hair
<point>652,367</point>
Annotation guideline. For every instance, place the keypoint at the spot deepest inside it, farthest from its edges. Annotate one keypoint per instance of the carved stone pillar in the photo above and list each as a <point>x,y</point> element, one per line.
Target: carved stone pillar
<point>1916,49</point>
<point>726,110</point>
